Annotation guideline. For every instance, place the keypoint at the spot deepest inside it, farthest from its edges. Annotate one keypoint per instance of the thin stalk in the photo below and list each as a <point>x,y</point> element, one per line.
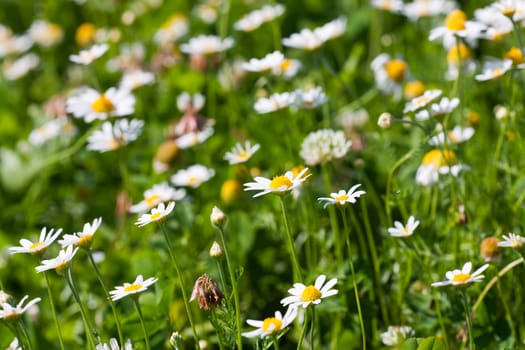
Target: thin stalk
<point>303,332</point>
<point>469,322</point>
<point>275,342</point>
<point>289,241</point>
<point>213,320</point>
<point>223,280</point>
<point>20,329</point>
<point>182,285</point>
<point>333,217</point>
<point>234,289</point>
<point>312,329</point>
<point>441,322</point>
<point>141,317</point>
<point>356,293</point>
<point>53,311</point>
<point>106,293</point>
<point>388,191</point>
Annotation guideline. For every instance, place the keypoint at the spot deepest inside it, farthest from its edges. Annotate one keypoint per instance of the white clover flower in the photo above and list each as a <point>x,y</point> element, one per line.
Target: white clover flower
<point>157,214</point>
<point>310,98</point>
<point>86,57</point>
<point>271,325</point>
<point>274,102</point>
<point>84,238</point>
<point>136,79</point>
<point>139,285</point>
<point>279,185</point>
<point>395,334</point>
<point>27,246</point>
<point>157,194</point>
<point>114,136</point>
<point>324,145</point>
<point>206,45</point>
<point>421,101</point>
<point>18,68</point>
<point>494,69</point>
<point>456,135</point>
<point>59,263</point>
<point>240,154</point>
<point>343,197</point>
<point>512,240</point>
<point>10,312</point>
<point>192,176</point>
<point>89,104</point>
<point>302,295</point>
<point>400,230</point>
<point>463,276</point>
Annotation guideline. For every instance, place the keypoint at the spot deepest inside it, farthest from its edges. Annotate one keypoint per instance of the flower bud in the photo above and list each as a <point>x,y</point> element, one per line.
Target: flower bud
<point>489,249</point>
<point>176,341</point>
<point>207,292</point>
<point>216,250</point>
<point>385,121</point>
<point>218,218</point>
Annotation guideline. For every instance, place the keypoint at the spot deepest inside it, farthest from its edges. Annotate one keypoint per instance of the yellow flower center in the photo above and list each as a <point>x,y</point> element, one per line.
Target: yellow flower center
<point>154,216</point>
<point>439,158</point>
<point>113,144</point>
<point>461,277</point>
<point>497,72</point>
<point>132,287</point>
<point>243,155</point>
<point>414,89</point>
<point>84,241</point>
<point>269,322</point>
<point>310,293</point>
<point>285,65</point>
<point>458,54</point>
<point>280,181</point>
<point>36,246</point>
<point>456,20</point>
<point>514,54</point>
<point>85,34</point>
<point>341,198</point>
<point>102,105</point>
<point>192,180</point>
<point>395,69</point>
<point>452,137</point>
<point>152,200</point>
<point>59,268</point>
<point>509,11</point>
<point>406,230</point>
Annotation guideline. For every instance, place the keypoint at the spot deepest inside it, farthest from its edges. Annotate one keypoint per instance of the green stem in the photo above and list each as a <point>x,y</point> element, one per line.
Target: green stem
<point>333,217</point>
<point>289,241</point>
<point>441,321</point>
<point>213,320</point>
<point>108,297</point>
<point>141,317</point>
<point>53,311</point>
<point>234,289</point>
<point>182,285</point>
<point>469,324</point>
<point>223,281</point>
<point>394,168</point>
<point>303,332</point>
<point>275,342</point>
<point>312,329</point>
<point>356,293</point>
<point>20,329</point>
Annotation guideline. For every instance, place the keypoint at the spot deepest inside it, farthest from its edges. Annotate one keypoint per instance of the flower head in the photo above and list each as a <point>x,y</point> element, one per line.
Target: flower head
<point>84,238</point>
<point>274,102</point>
<point>15,69</point>
<point>463,276</point>
<point>46,238</point>
<point>206,45</point>
<point>310,40</point>
<point>323,145</point>
<point>85,57</point>
<point>157,194</point>
<point>456,135</point>
<point>310,98</point>
<point>494,69</point>
<point>421,101</point>
<point>207,292</point>
<point>10,312</point>
<point>157,214</point>
<point>60,263</point>
<point>114,136</point>
<point>139,285</point>
<point>395,334</point>
<point>437,162</point>
<point>193,176</point>
<point>343,197</point>
<point>45,33</point>
<point>271,325</point>
<point>389,73</point>
<point>512,240</point>
<point>240,154</point>
<point>280,185</point>
<point>256,18</point>
<point>400,230</point>
<point>113,345</point>
<point>302,295</point>
<point>136,79</point>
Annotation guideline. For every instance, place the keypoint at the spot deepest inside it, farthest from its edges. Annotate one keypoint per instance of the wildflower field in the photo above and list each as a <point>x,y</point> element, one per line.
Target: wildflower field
<point>250,174</point>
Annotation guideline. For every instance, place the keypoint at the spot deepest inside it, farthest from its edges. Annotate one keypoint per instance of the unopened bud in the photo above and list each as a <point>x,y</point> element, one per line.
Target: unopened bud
<point>489,249</point>
<point>385,120</point>
<point>216,250</point>
<point>217,217</point>
<point>501,112</point>
<point>176,341</point>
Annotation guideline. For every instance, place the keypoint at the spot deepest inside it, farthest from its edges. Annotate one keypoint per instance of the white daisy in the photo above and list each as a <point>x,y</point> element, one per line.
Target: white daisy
<point>437,162</point>
<point>456,25</point>
<point>59,263</point>
<point>306,39</point>
<point>498,25</point>
<point>463,276</point>
<point>310,98</point>
<point>157,214</point>
<point>113,345</point>
<point>192,138</point>
<point>136,79</point>
<point>114,136</point>
<point>444,106</point>
<point>10,312</point>
<point>18,68</point>
<point>274,102</point>
<point>389,73</point>
<point>512,240</point>
<point>394,6</point>
<point>425,8</point>
<point>457,135</point>
<point>267,63</point>
<point>27,246</point>
<point>13,44</point>
<point>139,285</point>
<point>172,29</point>
<point>89,104</point>
<point>324,145</point>
<point>256,18</point>
<point>45,33</point>
<point>50,130</point>
<point>279,184</point>
<point>84,238</point>
<point>86,57</point>
<point>494,69</point>
<point>271,325</point>
<point>302,295</point>
<point>421,101</point>
<point>331,30</point>
<point>206,45</point>
<point>400,230</point>
<point>343,197</point>
<point>157,194</point>
<point>240,154</point>
<point>514,9</point>
<point>192,176</point>
<point>395,334</point>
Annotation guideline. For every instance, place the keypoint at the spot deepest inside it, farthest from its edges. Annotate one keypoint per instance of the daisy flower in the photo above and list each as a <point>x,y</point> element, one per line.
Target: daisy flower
<point>456,135</point>
<point>494,69</point>
<point>444,106</point>
<point>302,295</point>
<point>17,69</point>
<point>343,197</point>
<point>516,56</point>
<point>13,44</point>
<point>256,18</point>
<point>324,145</point>
<point>86,57</point>
<point>395,334</point>
<point>27,246</point>
<point>59,263</point>
<point>271,325</point>
<point>10,312</point>
<point>114,136</point>
<point>400,230</point>
<point>84,238</point>
<point>389,73</point>
<point>156,195</point>
<point>113,345</point>
<point>45,33</point>
<point>421,101</point>
<point>463,276</point>
<point>459,56</point>
<point>240,154</point>
<point>394,6</point>
<point>426,8</point>
<point>456,25</point>
<point>192,138</point>
<point>310,40</point>
<point>157,214</point>
<point>175,27</point>
<point>89,104</point>
<point>206,45</point>
<point>50,130</point>
<point>310,98</point>
<point>139,285</point>
<point>513,9</point>
<point>437,162</point>
<point>279,184</point>
<point>512,240</point>
<point>274,102</point>
<point>498,25</point>
<point>274,62</point>
<point>136,79</point>
<point>192,176</point>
